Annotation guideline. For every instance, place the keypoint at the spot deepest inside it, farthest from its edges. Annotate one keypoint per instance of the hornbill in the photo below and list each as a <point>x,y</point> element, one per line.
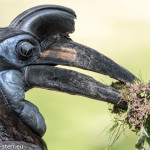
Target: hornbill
<point>31,47</point>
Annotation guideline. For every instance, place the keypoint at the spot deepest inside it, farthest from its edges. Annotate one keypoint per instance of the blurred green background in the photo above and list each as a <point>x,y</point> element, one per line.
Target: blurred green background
<point>120,29</point>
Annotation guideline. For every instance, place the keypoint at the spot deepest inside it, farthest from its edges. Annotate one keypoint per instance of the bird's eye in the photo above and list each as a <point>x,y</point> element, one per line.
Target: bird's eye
<point>25,49</point>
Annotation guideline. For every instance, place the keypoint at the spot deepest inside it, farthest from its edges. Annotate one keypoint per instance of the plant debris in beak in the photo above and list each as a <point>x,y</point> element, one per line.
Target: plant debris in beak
<point>137,116</point>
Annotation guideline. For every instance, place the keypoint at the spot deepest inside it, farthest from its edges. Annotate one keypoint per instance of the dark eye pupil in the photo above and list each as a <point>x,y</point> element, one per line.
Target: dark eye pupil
<point>26,49</point>
<point>26,52</point>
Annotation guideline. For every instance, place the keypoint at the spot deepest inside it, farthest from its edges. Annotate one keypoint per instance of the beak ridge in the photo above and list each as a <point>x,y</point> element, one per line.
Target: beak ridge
<point>73,54</point>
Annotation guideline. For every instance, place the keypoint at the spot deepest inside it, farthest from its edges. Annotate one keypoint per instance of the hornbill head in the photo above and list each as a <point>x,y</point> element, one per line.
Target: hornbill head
<point>30,50</point>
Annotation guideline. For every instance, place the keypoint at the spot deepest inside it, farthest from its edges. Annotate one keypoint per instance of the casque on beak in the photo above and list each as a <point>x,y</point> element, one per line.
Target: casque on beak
<point>52,29</point>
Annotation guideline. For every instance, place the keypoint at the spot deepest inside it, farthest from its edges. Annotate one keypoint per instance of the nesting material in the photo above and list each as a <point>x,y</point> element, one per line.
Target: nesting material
<point>137,115</point>
<point>137,96</point>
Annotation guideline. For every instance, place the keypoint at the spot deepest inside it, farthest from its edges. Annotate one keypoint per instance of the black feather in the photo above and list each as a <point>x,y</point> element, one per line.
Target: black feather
<point>12,128</point>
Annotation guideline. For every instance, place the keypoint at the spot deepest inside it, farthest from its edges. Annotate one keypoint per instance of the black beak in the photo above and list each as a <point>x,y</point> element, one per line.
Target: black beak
<point>70,53</point>
<point>44,74</point>
<point>51,21</point>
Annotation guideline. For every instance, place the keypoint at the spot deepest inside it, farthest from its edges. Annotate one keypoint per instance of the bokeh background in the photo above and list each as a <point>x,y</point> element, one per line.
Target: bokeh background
<point>120,29</point>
